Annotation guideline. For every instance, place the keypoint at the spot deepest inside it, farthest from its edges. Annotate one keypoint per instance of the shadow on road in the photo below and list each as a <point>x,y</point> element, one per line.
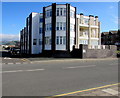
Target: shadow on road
<point>4,54</point>
<point>7,54</point>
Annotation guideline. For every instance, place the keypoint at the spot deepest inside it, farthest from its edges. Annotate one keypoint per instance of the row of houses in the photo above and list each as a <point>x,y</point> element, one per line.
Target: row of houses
<point>110,38</point>
<point>57,29</point>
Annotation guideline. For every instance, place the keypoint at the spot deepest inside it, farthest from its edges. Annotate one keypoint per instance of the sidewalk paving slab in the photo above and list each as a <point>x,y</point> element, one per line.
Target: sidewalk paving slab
<point>100,92</point>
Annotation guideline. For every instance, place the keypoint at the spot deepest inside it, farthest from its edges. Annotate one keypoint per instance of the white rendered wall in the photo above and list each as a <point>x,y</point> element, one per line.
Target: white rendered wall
<point>72,33</point>
<point>60,32</point>
<point>48,33</point>
<point>35,33</point>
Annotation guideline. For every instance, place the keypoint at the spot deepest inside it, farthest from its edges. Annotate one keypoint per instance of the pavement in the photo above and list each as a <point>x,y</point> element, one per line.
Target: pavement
<point>106,90</point>
<point>50,78</point>
<point>7,59</point>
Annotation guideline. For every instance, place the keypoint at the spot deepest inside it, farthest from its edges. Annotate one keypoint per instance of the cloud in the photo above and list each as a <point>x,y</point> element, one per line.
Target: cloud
<point>9,37</point>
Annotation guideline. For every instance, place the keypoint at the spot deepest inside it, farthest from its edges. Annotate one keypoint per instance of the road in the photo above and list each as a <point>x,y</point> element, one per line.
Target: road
<point>57,77</point>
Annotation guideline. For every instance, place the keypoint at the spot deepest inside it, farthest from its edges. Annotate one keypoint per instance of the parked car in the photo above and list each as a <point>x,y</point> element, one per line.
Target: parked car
<point>14,51</point>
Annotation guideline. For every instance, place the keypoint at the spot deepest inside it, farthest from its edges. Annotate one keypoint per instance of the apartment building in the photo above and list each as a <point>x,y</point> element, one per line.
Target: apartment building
<point>88,30</point>
<point>57,30</point>
<point>52,31</point>
<point>57,35</point>
<point>22,40</point>
<point>31,35</point>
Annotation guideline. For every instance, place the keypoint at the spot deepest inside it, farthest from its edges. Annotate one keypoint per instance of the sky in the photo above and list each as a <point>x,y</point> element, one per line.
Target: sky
<point>14,15</point>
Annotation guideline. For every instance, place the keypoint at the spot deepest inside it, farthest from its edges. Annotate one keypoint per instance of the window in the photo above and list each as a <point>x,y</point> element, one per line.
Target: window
<point>64,40</point>
<point>60,40</point>
<point>50,41</point>
<point>61,11</point>
<point>94,42</point>
<point>86,21</point>
<point>72,27</point>
<point>64,13</point>
<point>72,14</point>
<point>57,11</point>
<point>41,19</point>
<point>45,27</point>
<point>57,28</point>
<point>40,42</point>
<point>81,20</point>
<point>47,40</point>
<point>64,26</point>
<point>93,33</point>
<point>48,27</point>
<point>83,41</point>
<point>34,41</point>
<point>86,33</point>
<point>48,13</point>
<point>61,26</point>
<point>57,41</point>
<point>86,42</point>
<point>40,30</point>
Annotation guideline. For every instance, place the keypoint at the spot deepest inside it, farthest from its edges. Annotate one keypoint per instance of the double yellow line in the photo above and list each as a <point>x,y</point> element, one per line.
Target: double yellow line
<point>84,90</point>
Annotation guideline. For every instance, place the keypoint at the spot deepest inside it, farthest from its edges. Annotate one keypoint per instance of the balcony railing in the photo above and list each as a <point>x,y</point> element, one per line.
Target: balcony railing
<point>86,22</point>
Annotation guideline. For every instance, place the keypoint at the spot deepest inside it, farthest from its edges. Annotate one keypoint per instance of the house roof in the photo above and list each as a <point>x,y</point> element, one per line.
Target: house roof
<point>105,33</point>
<point>113,32</point>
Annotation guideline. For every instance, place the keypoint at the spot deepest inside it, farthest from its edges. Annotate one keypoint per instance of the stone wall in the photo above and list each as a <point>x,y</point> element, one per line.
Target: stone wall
<point>85,52</point>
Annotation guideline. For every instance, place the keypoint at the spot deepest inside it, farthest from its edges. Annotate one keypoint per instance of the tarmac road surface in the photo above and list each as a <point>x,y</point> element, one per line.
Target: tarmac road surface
<point>57,77</point>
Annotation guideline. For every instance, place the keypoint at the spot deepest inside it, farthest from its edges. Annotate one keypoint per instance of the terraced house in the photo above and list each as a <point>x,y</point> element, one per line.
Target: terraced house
<point>57,30</point>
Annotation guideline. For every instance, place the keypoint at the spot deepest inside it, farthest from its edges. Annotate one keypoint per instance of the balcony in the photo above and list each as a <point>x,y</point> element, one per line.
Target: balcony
<point>86,23</point>
<point>83,35</point>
